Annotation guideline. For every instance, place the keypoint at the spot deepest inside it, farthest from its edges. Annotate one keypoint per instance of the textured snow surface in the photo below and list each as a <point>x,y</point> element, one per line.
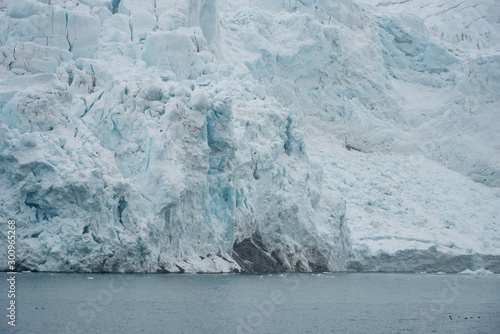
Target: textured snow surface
<point>212,136</point>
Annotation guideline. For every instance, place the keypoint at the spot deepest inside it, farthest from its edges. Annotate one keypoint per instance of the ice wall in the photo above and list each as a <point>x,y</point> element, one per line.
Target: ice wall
<point>250,135</point>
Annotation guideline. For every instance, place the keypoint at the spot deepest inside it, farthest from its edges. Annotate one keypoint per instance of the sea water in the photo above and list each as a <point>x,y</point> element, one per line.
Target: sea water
<point>232,303</point>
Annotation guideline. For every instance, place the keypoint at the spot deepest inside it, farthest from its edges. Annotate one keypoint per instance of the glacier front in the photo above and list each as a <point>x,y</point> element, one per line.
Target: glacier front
<point>251,135</point>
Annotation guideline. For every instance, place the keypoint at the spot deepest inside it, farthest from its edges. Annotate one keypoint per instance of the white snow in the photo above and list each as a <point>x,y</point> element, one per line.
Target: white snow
<point>153,135</point>
<point>481,271</point>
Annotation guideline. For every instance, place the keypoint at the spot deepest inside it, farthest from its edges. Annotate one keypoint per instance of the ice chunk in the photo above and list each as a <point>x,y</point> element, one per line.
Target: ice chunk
<point>172,51</point>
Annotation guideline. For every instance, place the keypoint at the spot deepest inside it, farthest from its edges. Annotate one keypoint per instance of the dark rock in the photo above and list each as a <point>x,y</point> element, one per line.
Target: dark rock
<point>253,257</point>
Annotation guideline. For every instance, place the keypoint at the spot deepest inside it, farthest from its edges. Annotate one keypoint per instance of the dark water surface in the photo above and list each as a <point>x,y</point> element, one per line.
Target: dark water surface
<point>290,303</point>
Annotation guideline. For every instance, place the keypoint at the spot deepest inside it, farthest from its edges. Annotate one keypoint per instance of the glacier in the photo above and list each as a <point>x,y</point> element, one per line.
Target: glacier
<point>250,135</point>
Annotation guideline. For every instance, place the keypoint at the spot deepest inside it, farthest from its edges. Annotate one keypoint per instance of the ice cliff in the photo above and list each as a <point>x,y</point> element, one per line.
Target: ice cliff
<point>251,135</point>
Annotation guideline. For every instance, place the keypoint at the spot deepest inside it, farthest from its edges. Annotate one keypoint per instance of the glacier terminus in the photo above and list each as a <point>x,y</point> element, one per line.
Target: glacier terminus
<point>251,135</point>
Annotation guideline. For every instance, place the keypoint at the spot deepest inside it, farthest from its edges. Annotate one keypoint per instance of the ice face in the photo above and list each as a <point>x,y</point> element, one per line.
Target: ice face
<point>261,136</point>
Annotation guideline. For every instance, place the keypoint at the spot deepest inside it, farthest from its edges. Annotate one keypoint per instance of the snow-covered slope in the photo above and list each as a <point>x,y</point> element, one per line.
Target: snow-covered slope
<point>251,135</point>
